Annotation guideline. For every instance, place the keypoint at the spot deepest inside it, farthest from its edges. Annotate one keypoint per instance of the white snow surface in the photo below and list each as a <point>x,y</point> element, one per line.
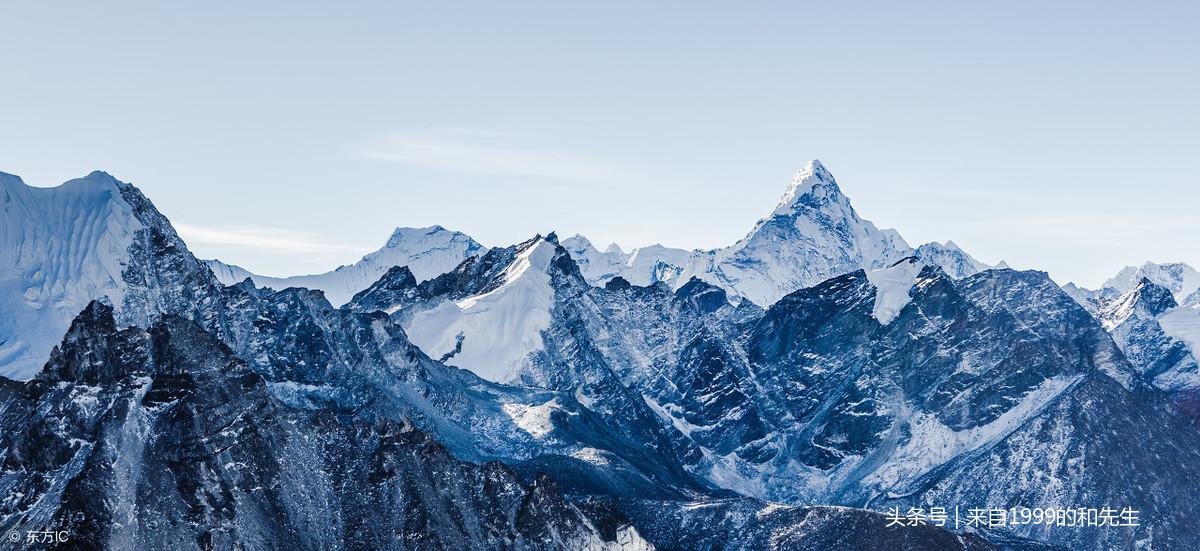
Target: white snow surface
<point>1179,278</point>
<point>951,259</point>
<point>1183,323</point>
<point>428,253</point>
<point>641,266</point>
<point>534,420</point>
<point>932,443</point>
<point>60,248</point>
<point>499,328</point>
<point>813,234</point>
<point>892,286</point>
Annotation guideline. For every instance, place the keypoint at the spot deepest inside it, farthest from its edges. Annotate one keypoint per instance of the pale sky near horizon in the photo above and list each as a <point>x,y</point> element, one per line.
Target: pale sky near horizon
<point>290,139</point>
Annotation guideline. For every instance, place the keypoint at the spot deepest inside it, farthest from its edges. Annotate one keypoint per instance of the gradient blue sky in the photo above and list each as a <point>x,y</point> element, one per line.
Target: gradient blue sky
<point>291,139</point>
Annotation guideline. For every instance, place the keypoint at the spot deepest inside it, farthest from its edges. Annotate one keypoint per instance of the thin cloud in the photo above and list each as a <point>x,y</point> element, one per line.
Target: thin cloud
<point>265,238</point>
<point>483,152</point>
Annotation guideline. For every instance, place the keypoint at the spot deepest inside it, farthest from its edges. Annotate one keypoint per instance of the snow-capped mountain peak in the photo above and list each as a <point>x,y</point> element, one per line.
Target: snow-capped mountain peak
<point>812,235</point>
<point>427,252</point>
<point>1146,299</point>
<point>493,332</point>
<point>803,182</point>
<point>813,177</point>
<point>1181,279</point>
<point>91,238</point>
<point>640,266</point>
<point>951,259</point>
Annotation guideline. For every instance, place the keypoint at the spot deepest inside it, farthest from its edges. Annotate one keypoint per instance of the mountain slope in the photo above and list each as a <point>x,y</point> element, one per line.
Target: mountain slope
<point>873,388</point>
<point>641,266</point>
<point>812,235</point>
<point>1179,278</point>
<point>823,399</point>
<point>90,238</point>
<point>952,259</point>
<point>164,439</point>
<point>427,252</point>
<point>749,525</point>
<point>1133,319</point>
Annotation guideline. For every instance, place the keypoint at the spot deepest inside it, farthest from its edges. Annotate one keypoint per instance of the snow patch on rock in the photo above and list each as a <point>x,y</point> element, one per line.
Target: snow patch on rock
<point>534,420</point>
<point>892,286</point>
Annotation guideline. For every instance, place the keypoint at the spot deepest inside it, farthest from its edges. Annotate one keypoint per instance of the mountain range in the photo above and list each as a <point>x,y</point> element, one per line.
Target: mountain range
<point>786,391</point>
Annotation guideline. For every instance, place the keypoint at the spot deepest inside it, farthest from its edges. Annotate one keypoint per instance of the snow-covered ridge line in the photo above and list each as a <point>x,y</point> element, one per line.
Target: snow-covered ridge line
<point>812,234</point>
<point>494,332</point>
<point>427,252</point>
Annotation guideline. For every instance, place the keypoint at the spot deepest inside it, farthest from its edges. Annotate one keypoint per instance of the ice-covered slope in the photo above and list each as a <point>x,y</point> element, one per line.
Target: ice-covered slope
<point>813,234</point>
<point>1135,319</point>
<point>427,252</point>
<point>60,248</point>
<point>90,238</point>
<point>1183,323</point>
<point>892,286</point>
<point>493,332</point>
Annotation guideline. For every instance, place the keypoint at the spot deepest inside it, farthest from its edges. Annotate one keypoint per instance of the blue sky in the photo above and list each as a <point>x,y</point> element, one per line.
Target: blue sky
<point>292,138</point>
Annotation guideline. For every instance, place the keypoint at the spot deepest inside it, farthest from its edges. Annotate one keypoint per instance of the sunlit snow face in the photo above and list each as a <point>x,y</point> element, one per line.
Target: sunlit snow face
<point>493,333</point>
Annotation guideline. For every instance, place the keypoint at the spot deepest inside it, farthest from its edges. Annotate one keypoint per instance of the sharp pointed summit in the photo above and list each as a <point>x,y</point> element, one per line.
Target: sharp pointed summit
<point>813,234</point>
<point>804,182</point>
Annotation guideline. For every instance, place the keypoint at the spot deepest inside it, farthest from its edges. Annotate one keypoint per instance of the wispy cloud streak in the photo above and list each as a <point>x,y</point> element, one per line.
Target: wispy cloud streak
<point>265,238</point>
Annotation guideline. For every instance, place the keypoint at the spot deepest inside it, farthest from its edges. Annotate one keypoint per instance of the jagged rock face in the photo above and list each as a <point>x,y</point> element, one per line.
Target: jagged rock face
<point>1179,278</point>
<point>397,286</point>
<point>1133,320</point>
<point>318,357</point>
<point>172,442</point>
<point>1096,444</point>
<point>627,450</point>
<point>426,252</point>
<point>821,402</point>
<point>749,525</point>
<point>87,239</point>
<point>823,399</point>
<point>812,235</point>
<point>991,388</point>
